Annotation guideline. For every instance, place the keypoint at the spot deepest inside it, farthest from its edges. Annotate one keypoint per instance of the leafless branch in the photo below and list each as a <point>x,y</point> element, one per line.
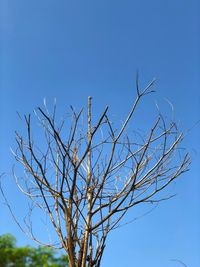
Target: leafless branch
<point>87,178</point>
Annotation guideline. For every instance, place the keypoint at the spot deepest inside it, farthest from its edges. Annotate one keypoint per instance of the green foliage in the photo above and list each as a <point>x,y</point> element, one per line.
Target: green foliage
<point>13,256</point>
<point>7,241</point>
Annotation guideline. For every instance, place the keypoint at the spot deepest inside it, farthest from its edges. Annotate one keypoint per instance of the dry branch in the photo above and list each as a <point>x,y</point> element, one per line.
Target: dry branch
<point>86,181</point>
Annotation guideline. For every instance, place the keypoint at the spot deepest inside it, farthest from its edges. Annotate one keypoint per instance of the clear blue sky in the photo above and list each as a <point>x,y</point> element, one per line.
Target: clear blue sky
<point>72,49</point>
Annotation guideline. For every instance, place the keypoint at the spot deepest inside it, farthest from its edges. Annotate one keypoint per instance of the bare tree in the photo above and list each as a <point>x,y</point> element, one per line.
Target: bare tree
<point>87,178</point>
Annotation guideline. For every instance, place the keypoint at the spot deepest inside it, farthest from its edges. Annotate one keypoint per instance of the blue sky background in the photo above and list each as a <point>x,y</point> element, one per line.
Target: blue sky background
<point>72,49</point>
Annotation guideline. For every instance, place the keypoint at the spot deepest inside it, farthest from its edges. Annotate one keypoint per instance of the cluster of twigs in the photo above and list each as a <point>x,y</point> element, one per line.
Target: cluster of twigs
<point>86,179</point>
